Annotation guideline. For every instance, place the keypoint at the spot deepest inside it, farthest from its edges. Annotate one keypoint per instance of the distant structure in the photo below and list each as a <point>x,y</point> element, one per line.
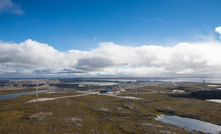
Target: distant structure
<point>136,87</point>
<point>81,85</point>
<point>105,91</point>
<point>37,91</point>
<point>49,85</point>
<point>204,84</point>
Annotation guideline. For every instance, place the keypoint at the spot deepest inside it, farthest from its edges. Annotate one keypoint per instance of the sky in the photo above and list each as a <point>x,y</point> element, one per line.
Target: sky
<point>110,38</point>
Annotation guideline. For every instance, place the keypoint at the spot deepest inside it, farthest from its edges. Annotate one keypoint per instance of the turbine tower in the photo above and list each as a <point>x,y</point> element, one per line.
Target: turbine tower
<point>49,85</point>
<point>37,91</point>
<point>136,88</point>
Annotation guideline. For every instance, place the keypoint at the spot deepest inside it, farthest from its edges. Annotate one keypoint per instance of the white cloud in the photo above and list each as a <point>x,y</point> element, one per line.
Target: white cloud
<point>186,71</point>
<point>184,59</point>
<point>218,30</point>
<point>10,7</point>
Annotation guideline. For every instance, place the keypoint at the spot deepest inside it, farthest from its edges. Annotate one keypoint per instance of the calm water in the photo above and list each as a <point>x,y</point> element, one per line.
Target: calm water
<point>95,83</point>
<point>119,80</point>
<point>7,96</point>
<point>208,80</point>
<point>190,124</point>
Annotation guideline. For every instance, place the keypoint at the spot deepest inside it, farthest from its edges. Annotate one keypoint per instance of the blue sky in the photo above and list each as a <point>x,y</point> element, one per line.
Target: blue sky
<point>81,24</point>
<point>85,25</point>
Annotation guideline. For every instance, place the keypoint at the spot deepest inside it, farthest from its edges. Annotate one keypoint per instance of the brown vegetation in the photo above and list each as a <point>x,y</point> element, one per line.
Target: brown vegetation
<point>104,114</point>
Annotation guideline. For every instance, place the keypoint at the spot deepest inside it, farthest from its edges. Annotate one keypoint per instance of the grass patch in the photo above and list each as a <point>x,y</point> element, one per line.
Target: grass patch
<point>82,115</point>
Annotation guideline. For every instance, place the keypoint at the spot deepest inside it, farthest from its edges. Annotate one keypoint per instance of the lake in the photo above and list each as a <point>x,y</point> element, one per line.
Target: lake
<point>190,124</point>
<point>95,83</point>
<point>7,96</point>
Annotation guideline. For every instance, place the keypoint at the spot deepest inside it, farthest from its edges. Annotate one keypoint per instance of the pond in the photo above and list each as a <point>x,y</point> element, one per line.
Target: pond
<point>190,124</point>
<point>214,100</point>
<point>178,91</point>
<point>213,85</point>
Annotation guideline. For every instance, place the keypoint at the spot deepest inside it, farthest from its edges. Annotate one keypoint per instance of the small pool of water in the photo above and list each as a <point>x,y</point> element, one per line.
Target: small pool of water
<point>213,85</point>
<point>190,124</point>
<point>178,91</point>
<point>215,100</point>
<point>95,83</point>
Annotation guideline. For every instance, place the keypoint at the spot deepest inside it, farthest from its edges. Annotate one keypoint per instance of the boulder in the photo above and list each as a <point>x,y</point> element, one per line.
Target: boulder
<point>105,110</point>
<point>40,116</point>
<point>73,120</point>
<point>130,106</point>
<point>166,110</point>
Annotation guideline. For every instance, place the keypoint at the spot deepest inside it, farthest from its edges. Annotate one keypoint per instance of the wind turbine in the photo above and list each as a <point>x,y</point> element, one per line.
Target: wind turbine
<point>37,91</point>
<point>49,85</point>
<point>136,89</point>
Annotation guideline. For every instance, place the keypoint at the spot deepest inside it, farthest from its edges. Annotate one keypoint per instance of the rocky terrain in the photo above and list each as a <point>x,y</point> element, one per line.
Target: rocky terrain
<point>74,111</point>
